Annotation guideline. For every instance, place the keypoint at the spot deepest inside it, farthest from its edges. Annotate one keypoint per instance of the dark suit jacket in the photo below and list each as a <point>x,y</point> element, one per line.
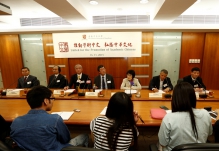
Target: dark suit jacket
<point>155,83</point>
<point>83,85</point>
<point>195,84</point>
<point>31,81</point>
<point>59,82</point>
<point>109,81</point>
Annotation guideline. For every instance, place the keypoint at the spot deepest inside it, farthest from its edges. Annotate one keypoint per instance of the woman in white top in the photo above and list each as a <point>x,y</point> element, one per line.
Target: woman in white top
<point>130,81</point>
<point>185,124</point>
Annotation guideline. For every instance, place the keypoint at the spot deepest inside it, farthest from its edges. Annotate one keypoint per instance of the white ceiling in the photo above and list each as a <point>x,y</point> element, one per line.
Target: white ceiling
<point>80,14</point>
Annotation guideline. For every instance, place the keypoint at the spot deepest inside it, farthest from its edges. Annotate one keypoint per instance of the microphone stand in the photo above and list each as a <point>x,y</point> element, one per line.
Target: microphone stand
<point>167,95</point>
<point>51,82</point>
<point>130,94</point>
<point>82,93</point>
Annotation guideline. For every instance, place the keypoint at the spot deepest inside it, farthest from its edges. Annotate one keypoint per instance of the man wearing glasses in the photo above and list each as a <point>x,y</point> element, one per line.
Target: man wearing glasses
<point>39,130</point>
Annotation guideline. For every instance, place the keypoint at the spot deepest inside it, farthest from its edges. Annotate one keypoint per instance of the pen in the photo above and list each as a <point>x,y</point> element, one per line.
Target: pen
<point>141,119</point>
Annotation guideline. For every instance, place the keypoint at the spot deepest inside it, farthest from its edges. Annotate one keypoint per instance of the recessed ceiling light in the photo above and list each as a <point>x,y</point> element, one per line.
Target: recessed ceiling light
<point>144,1</point>
<point>92,2</point>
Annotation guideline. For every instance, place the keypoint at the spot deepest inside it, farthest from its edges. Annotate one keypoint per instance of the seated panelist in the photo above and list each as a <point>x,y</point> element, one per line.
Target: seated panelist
<point>57,80</point>
<point>79,79</point>
<point>130,81</point>
<point>195,80</point>
<point>103,80</point>
<point>27,80</point>
<point>161,82</point>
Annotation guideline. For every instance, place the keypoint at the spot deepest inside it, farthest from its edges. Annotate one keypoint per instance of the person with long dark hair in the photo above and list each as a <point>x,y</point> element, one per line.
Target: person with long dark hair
<point>117,129</point>
<point>185,124</point>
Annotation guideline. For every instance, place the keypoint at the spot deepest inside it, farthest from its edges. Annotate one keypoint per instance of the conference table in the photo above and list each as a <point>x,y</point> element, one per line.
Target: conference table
<point>91,106</point>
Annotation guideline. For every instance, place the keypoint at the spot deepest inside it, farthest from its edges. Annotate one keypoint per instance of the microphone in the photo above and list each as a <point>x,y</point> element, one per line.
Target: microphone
<point>167,95</point>
<point>83,93</point>
<point>88,82</point>
<point>202,95</point>
<point>130,94</point>
<point>4,91</point>
<point>51,81</point>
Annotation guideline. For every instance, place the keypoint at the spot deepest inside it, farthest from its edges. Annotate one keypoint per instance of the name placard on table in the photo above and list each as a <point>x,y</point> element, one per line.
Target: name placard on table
<point>13,92</point>
<point>155,95</point>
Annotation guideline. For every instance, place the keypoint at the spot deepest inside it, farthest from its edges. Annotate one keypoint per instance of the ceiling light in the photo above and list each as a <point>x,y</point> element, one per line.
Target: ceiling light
<point>144,1</point>
<point>92,2</point>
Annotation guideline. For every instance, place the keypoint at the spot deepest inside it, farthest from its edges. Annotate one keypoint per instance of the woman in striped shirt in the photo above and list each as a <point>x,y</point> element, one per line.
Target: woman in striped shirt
<point>117,129</point>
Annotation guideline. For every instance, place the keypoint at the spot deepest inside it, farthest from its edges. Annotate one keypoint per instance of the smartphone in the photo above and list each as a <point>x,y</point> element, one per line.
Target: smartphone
<point>213,115</point>
<point>164,107</point>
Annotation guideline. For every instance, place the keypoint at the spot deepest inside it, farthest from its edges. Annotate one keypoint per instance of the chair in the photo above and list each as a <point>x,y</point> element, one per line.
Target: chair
<point>197,147</point>
<point>76,148</point>
<point>192,147</point>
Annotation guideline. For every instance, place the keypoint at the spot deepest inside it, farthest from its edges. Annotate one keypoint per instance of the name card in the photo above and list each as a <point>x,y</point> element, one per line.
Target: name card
<point>13,92</point>
<point>91,94</point>
<point>57,91</point>
<point>155,95</point>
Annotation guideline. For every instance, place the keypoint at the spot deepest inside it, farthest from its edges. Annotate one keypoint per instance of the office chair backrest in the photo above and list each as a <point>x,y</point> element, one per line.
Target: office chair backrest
<point>197,147</point>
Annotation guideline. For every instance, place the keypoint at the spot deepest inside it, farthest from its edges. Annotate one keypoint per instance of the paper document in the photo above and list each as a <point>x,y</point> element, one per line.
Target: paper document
<point>69,90</point>
<point>160,91</point>
<point>103,112</point>
<point>98,90</point>
<point>132,91</point>
<point>64,115</point>
<point>155,95</point>
<point>168,111</point>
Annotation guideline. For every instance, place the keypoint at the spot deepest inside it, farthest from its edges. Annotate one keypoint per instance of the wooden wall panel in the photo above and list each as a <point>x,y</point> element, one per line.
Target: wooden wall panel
<point>10,60</point>
<point>49,58</point>
<point>192,48</point>
<point>145,59</point>
<point>117,67</point>
<point>210,72</point>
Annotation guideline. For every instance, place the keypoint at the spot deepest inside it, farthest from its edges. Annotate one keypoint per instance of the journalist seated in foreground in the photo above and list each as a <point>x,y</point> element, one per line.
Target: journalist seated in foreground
<point>130,82</point>
<point>161,82</point>
<point>117,129</point>
<point>185,124</point>
<point>39,130</point>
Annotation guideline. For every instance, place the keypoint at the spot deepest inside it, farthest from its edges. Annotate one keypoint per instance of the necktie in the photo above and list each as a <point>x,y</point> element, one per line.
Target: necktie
<point>78,77</point>
<point>103,83</point>
<point>25,78</point>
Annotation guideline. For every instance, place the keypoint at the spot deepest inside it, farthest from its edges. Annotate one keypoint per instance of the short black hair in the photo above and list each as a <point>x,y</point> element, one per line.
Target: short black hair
<point>98,68</point>
<point>25,68</point>
<point>195,69</point>
<point>36,96</point>
<point>132,72</point>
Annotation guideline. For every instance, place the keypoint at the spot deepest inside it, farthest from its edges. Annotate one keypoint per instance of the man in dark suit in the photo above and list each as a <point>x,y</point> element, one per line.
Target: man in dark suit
<point>161,82</point>
<point>27,80</point>
<point>79,79</point>
<point>103,81</point>
<point>195,80</point>
<point>57,80</point>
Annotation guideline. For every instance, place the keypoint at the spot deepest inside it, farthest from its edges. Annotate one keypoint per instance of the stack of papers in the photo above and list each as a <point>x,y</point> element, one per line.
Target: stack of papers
<point>64,115</point>
<point>132,91</point>
<point>103,112</point>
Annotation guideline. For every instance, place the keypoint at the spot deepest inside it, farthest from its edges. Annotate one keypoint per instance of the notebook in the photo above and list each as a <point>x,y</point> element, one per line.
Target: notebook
<point>64,115</point>
<point>158,113</point>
